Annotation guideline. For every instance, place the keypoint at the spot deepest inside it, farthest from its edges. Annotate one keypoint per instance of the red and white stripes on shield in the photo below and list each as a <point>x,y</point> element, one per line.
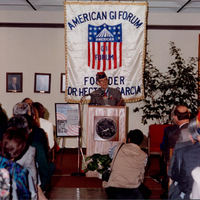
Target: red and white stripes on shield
<point>104,55</point>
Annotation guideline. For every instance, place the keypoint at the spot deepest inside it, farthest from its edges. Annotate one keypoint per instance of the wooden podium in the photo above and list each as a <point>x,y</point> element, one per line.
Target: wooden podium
<point>106,126</point>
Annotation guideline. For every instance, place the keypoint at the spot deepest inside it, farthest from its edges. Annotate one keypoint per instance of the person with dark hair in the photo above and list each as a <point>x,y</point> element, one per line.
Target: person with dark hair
<point>28,158</point>
<point>135,136</point>
<point>12,148</point>
<point>14,143</point>
<point>45,124</point>
<point>105,95</point>
<point>27,100</point>
<point>128,169</point>
<point>37,139</point>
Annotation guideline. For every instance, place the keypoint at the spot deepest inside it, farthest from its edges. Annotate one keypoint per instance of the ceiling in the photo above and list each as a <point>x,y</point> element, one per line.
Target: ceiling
<point>154,5</point>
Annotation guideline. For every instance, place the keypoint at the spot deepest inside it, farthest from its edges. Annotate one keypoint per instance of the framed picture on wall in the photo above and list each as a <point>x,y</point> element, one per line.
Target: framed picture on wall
<point>14,82</point>
<point>42,83</point>
<point>62,82</point>
<point>67,119</point>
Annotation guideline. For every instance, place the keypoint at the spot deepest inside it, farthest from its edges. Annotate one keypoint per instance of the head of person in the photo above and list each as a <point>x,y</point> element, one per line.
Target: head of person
<point>21,122</point>
<point>13,143</point>
<point>14,80</point>
<point>102,80</point>
<point>181,114</point>
<point>40,108</point>
<point>27,100</point>
<point>22,108</point>
<point>135,136</point>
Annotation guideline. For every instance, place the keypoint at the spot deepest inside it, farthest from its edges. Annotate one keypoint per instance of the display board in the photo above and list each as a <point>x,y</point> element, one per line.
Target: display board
<point>67,119</point>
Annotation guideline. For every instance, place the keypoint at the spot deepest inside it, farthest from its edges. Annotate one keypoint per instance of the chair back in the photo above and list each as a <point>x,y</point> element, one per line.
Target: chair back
<point>156,132</point>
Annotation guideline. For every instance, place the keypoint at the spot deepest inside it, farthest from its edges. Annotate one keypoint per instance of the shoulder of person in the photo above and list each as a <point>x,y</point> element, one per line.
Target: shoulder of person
<point>32,149</point>
<point>98,91</point>
<point>45,121</point>
<point>114,89</point>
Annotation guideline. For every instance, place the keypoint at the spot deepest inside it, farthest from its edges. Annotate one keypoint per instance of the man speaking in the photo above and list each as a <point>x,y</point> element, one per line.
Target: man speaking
<point>105,95</point>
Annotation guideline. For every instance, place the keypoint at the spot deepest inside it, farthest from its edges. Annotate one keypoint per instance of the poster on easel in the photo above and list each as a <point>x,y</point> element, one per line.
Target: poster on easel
<point>67,119</point>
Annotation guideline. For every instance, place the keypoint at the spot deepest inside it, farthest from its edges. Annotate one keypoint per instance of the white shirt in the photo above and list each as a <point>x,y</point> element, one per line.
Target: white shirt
<point>48,128</point>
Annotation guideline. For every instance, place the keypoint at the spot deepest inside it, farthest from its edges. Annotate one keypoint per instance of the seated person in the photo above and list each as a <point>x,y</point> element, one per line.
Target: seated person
<point>185,158</point>
<point>105,95</point>
<point>13,147</point>
<point>27,100</point>
<point>27,160</point>
<point>37,139</point>
<point>127,169</point>
<point>45,124</point>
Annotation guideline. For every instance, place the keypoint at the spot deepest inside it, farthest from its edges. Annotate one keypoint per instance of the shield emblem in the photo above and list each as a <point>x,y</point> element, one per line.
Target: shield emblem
<point>104,47</point>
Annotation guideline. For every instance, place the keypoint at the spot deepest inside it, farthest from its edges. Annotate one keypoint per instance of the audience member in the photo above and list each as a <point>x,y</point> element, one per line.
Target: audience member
<point>185,159</point>
<point>3,122</point>
<point>45,124</point>
<point>27,100</point>
<point>38,139</point>
<point>128,169</point>
<point>105,95</point>
<point>28,158</point>
<point>181,118</point>
<point>13,147</point>
<point>165,157</point>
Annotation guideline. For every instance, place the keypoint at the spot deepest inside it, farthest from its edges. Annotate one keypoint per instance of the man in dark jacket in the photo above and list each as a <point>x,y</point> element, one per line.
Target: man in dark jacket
<point>105,95</point>
<point>185,159</point>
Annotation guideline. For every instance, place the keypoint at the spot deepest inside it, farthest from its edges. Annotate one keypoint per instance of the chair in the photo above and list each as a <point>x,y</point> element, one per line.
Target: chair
<point>156,132</point>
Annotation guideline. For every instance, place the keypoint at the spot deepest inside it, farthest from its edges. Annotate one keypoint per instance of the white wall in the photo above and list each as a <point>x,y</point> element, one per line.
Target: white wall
<point>33,50</point>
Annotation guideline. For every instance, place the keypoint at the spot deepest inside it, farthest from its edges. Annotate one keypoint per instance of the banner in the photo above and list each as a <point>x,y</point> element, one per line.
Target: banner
<point>105,36</point>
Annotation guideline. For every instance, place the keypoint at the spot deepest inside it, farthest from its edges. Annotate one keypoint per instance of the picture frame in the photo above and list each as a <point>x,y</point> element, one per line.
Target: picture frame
<point>67,116</point>
<point>42,83</point>
<point>62,82</point>
<point>14,82</point>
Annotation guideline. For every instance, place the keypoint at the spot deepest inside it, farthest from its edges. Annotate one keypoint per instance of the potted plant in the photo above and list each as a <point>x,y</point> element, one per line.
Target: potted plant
<point>98,162</point>
<point>179,85</point>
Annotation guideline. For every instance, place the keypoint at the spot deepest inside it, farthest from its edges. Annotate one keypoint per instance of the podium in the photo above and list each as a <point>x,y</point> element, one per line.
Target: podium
<point>106,127</point>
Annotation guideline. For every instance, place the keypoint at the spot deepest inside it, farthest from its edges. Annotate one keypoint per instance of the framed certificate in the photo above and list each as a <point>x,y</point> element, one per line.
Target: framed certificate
<point>42,83</point>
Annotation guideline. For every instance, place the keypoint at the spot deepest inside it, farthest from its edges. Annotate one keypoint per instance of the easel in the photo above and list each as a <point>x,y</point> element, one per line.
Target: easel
<point>80,150</point>
<point>64,109</point>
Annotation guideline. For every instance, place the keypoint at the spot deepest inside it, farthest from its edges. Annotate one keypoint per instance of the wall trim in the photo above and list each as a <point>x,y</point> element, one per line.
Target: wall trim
<point>60,25</point>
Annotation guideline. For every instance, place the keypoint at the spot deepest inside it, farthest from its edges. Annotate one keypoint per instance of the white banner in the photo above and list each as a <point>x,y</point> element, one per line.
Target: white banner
<point>105,36</point>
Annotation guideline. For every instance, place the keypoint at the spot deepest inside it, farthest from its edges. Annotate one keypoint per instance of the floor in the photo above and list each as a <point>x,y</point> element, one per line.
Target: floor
<point>66,184</point>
